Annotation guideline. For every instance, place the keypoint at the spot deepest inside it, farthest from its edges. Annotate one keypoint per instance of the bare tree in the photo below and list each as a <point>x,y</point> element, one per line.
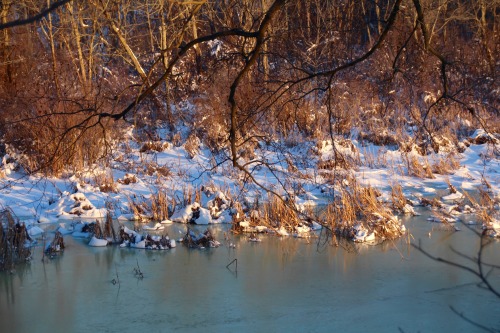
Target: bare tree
<point>284,68</point>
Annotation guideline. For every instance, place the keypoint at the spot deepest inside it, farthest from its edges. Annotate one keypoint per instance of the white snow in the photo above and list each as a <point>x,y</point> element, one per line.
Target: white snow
<point>156,227</point>
<point>453,196</point>
<point>97,242</point>
<point>45,200</point>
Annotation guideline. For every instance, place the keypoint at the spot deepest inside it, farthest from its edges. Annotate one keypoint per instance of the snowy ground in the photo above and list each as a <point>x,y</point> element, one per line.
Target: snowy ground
<point>39,199</point>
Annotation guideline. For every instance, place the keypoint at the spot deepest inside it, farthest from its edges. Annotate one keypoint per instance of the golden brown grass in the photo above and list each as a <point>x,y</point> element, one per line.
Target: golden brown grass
<point>486,209</point>
<point>358,204</point>
<point>192,145</point>
<point>279,213</point>
<point>397,197</point>
<point>447,165</point>
<point>153,146</point>
<point>105,182</point>
<point>159,206</point>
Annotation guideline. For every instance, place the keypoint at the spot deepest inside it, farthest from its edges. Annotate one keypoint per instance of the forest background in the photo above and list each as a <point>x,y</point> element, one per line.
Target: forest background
<point>416,74</point>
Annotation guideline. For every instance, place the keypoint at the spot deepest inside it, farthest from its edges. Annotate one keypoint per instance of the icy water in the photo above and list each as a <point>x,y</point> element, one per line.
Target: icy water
<point>281,285</point>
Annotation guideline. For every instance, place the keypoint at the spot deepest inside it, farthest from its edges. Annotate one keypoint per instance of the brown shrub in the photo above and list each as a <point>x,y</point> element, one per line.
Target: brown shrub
<point>192,145</point>
<point>447,165</point>
<point>151,168</point>
<point>157,146</point>
<point>128,179</point>
<point>105,182</point>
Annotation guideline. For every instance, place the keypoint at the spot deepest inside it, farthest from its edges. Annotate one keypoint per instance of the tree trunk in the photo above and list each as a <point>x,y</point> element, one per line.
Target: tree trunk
<point>485,37</point>
<point>128,49</point>
<point>77,38</point>
<point>4,12</point>
<point>50,34</point>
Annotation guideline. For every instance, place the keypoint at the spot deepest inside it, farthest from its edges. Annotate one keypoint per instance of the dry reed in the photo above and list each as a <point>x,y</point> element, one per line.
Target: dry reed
<point>360,205</point>
<point>160,206</point>
<point>279,213</point>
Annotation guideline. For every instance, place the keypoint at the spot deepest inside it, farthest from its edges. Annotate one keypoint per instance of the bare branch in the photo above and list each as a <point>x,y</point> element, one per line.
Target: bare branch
<point>36,17</point>
<point>470,321</point>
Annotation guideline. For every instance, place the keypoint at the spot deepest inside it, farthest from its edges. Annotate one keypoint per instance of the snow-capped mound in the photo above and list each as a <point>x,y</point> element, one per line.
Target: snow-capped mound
<point>192,214</point>
<point>97,242</point>
<point>453,196</point>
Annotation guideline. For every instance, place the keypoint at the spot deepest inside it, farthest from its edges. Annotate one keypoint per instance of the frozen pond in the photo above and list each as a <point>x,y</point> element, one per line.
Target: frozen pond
<point>281,285</point>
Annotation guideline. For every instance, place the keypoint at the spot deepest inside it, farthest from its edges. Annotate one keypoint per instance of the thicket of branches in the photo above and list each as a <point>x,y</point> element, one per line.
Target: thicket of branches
<point>402,72</point>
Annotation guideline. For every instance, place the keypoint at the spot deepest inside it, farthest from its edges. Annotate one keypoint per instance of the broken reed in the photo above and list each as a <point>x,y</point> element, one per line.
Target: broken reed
<point>12,239</point>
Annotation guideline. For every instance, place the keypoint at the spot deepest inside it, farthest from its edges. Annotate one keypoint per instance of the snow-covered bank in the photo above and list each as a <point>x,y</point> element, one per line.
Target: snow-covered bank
<point>203,191</point>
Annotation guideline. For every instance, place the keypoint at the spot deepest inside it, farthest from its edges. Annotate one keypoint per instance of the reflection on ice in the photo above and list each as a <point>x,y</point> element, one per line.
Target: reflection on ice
<point>283,284</point>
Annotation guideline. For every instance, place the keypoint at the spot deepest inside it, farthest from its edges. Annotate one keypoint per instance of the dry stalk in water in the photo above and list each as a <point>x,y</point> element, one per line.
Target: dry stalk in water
<point>159,206</point>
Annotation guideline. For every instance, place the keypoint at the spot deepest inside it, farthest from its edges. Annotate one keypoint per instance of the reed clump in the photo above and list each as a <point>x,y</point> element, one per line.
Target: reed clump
<point>109,230</point>
<point>398,198</point>
<point>56,246</point>
<point>356,213</point>
<point>198,241</point>
<point>486,210</point>
<point>106,183</point>
<point>157,207</point>
<point>278,213</point>
<point>446,165</point>
<point>138,208</point>
<point>160,206</point>
<point>415,168</point>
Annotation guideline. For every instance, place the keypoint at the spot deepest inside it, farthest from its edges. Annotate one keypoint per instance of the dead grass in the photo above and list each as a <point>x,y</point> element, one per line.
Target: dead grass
<point>447,165</point>
<point>414,167</point>
<point>192,145</point>
<point>154,146</point>
<point>379,138</point>
<point>357,204</point>
<point>106,183</point>
<point>279,213</point>
<point>397,198</point>
<point>128,179</point>
<point>160,206</point>
<point>151,168</point>
<point>486,209</point>
<point>177,139</point>
<point>372,160</point>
